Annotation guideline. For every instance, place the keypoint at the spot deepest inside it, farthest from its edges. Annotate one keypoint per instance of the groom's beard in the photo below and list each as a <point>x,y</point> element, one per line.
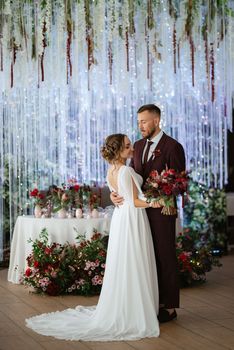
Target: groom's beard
<point>150,134</point>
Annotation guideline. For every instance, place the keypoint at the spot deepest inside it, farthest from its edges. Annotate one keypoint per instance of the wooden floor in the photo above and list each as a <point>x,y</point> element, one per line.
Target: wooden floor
<point>206,318</point>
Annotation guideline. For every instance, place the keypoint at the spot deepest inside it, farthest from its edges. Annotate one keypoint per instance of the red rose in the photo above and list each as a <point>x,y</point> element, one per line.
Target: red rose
<point>167,190</point>
<point>102,253</point>
<point>183,257</point>
<point>154,173</point>
<point>47,250</point>
<point>96,236</point>
<point>28,272</point>
<point>76,188</point>
<point>34,192</point>
<point>82,244</point>
<point>36,264</point>
<point>40,195</point>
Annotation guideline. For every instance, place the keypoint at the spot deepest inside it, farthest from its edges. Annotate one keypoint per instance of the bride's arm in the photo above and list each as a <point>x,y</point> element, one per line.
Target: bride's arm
<point>138,203</point>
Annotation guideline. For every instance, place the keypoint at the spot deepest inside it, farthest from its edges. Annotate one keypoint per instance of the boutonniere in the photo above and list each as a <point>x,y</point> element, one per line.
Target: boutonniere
<point>156,153</point>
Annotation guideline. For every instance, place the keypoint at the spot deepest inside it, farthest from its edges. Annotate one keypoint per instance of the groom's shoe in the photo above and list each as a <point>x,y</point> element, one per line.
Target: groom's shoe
<point>165,316</point>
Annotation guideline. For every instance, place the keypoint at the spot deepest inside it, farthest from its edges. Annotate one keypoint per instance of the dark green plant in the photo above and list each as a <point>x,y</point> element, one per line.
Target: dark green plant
<point>205,215</point>
<point>195,259</point>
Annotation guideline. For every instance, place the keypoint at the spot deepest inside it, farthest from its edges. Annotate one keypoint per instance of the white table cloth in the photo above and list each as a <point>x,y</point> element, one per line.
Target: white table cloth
<point>59,231</point>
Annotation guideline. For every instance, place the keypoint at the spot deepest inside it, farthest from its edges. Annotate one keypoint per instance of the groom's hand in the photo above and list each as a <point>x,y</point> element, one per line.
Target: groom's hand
<point>116,199</point>
<point>156,205</point>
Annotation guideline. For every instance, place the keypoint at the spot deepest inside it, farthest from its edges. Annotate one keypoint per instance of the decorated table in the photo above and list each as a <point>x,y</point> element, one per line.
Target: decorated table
<point>59,231</point>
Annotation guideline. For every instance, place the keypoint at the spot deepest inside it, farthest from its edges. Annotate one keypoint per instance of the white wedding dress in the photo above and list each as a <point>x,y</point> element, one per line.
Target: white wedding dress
<point>128,304</point>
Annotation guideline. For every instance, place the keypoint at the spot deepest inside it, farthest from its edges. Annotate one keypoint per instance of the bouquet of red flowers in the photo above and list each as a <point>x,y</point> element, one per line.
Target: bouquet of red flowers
<point>38,197</point>
<point>164,187</point>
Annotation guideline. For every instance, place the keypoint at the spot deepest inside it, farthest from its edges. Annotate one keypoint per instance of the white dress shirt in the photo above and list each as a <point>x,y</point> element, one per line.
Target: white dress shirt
<point>155,141</point>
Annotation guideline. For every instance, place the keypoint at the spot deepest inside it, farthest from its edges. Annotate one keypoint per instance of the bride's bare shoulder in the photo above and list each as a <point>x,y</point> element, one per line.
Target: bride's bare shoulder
<point>110,171</point>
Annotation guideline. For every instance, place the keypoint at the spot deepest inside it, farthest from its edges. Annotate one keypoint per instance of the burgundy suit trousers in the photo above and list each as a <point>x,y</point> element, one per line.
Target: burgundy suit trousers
<point>163,234</point>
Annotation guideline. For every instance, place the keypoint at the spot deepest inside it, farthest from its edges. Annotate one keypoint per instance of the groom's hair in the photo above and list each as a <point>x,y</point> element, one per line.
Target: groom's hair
<point>151,108</point>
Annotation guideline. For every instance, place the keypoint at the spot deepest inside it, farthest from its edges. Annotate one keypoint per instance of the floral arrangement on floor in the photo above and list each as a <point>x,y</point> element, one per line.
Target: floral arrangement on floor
<point>165,187</point>
<point>194,258</point>
<point>57,269</point>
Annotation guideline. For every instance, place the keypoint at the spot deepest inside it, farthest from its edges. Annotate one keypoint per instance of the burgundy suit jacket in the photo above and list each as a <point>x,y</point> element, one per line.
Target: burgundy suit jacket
<point>168,153</point>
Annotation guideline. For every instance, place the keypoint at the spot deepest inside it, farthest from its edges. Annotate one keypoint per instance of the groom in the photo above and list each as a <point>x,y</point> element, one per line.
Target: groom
<point>156,151</point>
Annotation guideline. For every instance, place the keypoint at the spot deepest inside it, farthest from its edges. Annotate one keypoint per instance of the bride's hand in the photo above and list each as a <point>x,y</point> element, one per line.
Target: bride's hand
<point>116,199</point>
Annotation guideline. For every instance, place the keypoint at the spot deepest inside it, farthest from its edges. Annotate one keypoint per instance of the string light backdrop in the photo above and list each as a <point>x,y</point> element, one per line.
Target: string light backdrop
<point>73,72</point>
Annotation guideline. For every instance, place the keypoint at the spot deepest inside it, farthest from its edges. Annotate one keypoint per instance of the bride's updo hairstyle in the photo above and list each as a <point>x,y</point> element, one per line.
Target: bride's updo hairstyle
<point>113,146</point>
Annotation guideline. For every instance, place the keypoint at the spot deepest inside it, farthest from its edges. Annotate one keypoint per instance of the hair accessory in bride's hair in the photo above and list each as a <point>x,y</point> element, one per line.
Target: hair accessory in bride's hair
<point>112,147</point>
<point>108,151</point>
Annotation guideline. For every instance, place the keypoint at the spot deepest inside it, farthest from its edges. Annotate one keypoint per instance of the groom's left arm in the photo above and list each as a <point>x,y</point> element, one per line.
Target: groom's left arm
<point>177,157</point>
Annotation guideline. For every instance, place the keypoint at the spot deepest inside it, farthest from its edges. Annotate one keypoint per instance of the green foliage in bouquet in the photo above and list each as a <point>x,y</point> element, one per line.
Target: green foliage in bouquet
<point>56,269</point>
<point>194,258</point>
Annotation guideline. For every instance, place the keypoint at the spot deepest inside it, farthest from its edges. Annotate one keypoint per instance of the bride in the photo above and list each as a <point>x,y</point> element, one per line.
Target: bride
<point>128,304</point>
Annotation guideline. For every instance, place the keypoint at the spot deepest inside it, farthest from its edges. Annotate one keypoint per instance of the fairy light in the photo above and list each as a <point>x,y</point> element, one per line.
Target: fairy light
<point>56,130</point>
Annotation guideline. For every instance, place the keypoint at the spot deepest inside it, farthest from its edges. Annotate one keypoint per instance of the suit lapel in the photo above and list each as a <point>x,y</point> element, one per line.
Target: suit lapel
<point>159,147</point>
<point>140,150</point>
<point>152,162</point>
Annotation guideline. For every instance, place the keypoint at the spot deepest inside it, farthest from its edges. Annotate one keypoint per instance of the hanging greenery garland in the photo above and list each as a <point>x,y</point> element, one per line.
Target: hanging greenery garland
<point>15,30</point>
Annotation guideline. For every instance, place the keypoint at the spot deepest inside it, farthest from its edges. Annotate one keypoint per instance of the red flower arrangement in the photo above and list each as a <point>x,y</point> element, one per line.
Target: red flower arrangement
<point>194,258</point>
<point>38,196</point>
<point>94,201</point>
<point>164,187</point>
<point>56,269</point>
<point>66,195</point>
